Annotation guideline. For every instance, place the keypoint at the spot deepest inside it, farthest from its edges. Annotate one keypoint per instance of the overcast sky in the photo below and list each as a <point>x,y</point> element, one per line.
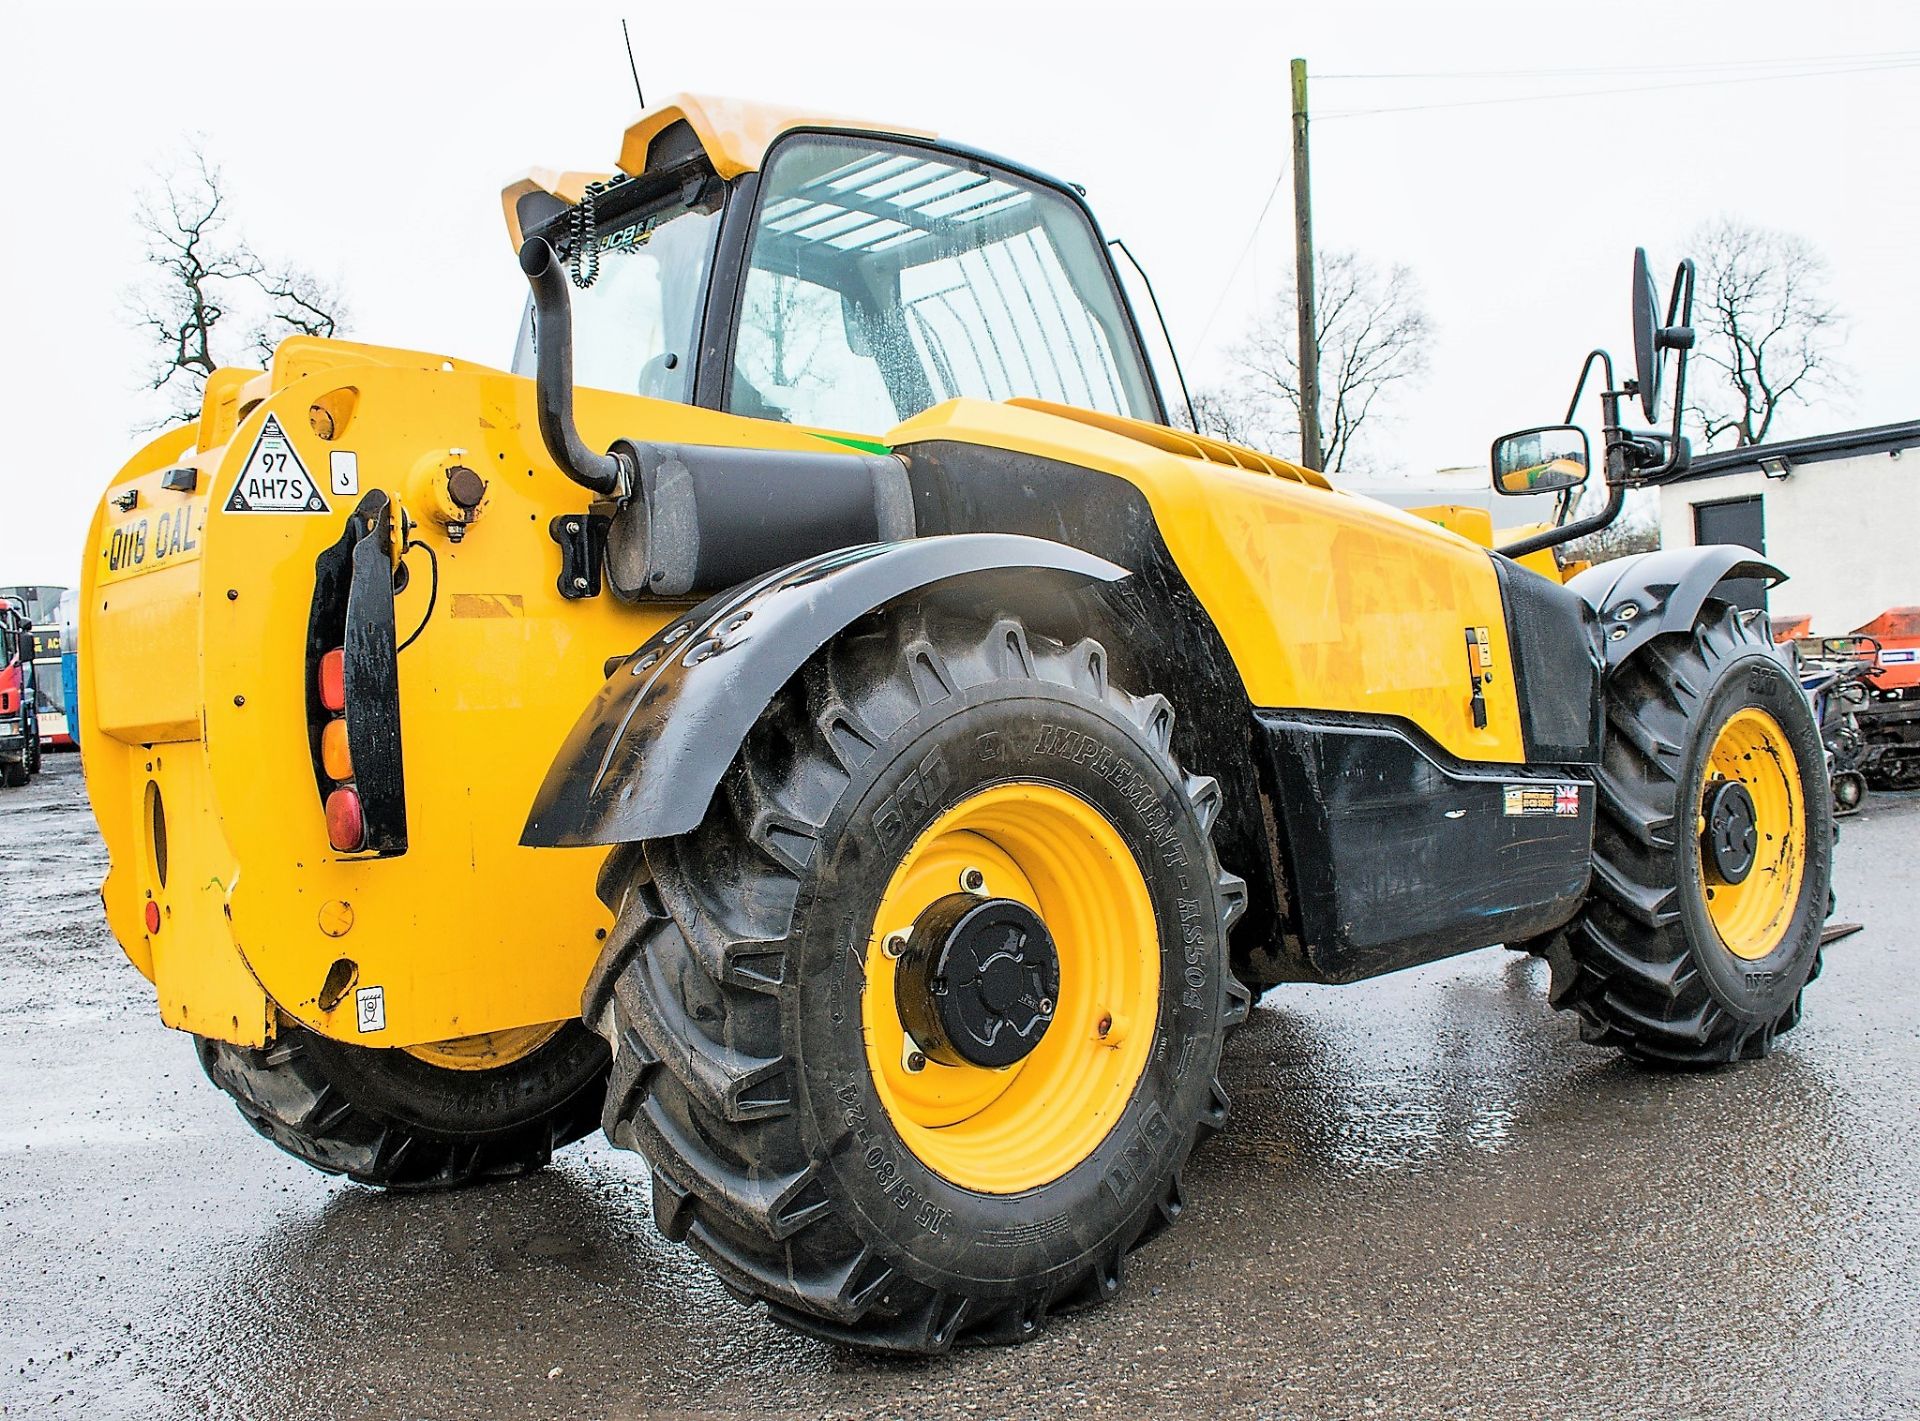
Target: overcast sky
<point>370,143</point>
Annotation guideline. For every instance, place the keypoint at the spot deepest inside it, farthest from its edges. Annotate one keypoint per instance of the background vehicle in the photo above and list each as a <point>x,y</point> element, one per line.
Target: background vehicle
<point>1836,673</point>
<point>19,709</point>
<point>962,744</point>
<point>1889,718</point>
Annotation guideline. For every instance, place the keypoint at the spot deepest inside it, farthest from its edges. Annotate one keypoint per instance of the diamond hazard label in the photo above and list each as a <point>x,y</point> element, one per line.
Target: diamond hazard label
<point>274,480</point>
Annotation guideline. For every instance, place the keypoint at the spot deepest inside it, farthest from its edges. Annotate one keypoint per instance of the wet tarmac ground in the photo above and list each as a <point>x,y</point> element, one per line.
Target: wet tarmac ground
<point>1432,1201</point>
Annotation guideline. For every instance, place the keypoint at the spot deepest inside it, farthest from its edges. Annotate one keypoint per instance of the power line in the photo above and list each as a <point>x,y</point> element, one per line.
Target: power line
<point>1227,288</point>
<point>1596,71</point>
<point>1625,89</point>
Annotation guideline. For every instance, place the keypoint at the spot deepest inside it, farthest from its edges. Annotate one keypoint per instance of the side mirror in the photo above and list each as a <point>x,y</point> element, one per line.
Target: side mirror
<point>1545,460</point>
<point>1651,339</point>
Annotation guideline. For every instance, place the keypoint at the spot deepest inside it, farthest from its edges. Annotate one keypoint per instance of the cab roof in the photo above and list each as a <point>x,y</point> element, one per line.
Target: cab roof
<point>734,133</point>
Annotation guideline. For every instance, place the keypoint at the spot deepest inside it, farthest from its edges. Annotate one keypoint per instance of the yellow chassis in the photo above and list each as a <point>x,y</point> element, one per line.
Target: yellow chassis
<point>194,682</point>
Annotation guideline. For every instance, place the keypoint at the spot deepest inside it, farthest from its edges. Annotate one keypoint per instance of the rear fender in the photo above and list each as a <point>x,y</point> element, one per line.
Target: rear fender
<point>644,760</point>
<point>1650,594</point>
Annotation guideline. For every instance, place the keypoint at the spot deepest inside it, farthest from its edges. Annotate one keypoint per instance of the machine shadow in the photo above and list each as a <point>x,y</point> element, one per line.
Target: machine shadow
<point>1386,1142</point>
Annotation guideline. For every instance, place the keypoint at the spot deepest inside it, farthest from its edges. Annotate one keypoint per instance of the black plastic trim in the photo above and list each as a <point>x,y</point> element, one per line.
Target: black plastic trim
<point>353,608</point>
<point>1403,854</point>
<point>644,760</point>
<point>1557,664</point>
<point>1643,596</point>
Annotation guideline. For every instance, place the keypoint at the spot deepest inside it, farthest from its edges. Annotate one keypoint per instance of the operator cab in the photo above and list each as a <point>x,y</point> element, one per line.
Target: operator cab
<point>840,279</point>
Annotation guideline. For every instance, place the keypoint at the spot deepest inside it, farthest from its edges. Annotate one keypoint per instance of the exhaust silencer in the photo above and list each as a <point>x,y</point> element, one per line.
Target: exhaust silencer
<point>703,518</point>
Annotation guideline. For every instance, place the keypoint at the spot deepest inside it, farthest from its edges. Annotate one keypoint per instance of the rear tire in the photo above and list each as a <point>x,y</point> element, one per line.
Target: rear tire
<point>736,988</point>
<point>387,1118</point>
<point>1663,961</point>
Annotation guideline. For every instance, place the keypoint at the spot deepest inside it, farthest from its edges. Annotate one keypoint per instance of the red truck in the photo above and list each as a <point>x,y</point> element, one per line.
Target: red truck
<point>19,707</point>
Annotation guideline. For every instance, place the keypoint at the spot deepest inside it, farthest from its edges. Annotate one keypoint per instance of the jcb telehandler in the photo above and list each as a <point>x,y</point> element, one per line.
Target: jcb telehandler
<point>962,743</point>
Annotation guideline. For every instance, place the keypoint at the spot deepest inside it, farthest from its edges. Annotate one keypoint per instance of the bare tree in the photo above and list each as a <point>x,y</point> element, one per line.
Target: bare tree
<point>299,304</point>
<point>202,280</point>
<point>1629,534</point>
<point>184,301</point>
<point>1231,413</point>
<point>1767,330</point>
<point>1372,329</point>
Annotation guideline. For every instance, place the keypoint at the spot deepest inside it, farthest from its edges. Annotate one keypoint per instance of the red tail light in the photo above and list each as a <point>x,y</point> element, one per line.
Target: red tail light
<point>333,680</point>
<point>346,825</point>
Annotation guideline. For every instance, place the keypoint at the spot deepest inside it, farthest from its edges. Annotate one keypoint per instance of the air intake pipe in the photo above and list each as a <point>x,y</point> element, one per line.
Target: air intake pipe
<point>609,474</point>
<point>692,518</point>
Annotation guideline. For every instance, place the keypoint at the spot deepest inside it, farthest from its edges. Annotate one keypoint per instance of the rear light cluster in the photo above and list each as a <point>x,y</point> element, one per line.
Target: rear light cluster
<point>346,824</point>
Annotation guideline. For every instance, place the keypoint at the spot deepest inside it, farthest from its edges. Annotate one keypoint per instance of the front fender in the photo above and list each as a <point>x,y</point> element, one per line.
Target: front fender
<point>644,760</point>
<point>1649,594</point>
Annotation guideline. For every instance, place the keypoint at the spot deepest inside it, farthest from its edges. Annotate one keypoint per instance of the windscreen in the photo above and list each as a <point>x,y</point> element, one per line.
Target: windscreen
<point>882,280</point>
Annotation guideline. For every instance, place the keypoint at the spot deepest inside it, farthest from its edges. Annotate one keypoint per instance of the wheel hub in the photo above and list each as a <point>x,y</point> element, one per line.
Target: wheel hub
<point>1732,835</point>
<point>978,981</point>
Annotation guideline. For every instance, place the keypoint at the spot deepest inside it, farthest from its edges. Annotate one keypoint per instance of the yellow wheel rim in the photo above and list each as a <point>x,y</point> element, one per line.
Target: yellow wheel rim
<point>1752,916</point>
<point>1002,1131</point>
<point>488,1049</point>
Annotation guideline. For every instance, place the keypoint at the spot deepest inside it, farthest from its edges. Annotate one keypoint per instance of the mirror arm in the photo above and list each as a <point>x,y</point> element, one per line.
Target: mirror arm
<point>1616,500</point>
<point>1613,436</point>
<point>1580,385</point>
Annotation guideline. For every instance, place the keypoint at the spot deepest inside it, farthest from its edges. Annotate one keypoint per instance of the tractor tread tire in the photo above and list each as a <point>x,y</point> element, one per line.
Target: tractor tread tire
<point>1624,964</point>
<point>288,1094</point>
<point>689,991</point>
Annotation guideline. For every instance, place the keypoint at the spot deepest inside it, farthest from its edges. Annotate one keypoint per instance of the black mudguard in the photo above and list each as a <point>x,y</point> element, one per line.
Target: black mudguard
<point>1647,595</point>
<point>644,760</point>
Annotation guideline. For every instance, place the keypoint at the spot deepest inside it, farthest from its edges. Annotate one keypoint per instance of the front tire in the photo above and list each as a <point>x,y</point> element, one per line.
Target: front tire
<point>1712,854</point>
<point>761,978</point>
<point>461,1112</point>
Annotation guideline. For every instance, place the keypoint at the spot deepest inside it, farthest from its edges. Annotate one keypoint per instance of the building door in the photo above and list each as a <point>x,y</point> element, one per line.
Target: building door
<point>1742,522</point>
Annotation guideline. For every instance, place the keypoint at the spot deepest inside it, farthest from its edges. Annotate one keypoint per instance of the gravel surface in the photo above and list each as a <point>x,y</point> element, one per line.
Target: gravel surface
<point>1432,1201</point>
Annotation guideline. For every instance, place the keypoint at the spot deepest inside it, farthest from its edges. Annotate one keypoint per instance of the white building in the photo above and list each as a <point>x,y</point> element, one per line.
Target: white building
<point>1838,513</point>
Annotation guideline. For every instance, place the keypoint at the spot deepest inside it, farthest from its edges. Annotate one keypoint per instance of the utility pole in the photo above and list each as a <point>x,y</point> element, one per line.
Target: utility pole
<point>1310,453</point>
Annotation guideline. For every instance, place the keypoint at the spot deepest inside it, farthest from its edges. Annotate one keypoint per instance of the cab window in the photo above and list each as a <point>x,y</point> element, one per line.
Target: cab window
<point>883,279</point>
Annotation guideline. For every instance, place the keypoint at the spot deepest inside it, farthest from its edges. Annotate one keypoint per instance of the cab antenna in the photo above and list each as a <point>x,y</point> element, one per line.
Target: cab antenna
<point>628,37</point>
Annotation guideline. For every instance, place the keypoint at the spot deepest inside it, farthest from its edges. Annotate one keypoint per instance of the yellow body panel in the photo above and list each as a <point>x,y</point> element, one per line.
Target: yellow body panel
<point>1546,561</point>
<point>194,679</point>
<point>194,676</point>
<point>1326,600</point>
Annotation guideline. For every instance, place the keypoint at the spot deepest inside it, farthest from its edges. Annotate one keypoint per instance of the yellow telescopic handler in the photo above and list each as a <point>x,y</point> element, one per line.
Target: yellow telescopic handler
<point>816,718</point>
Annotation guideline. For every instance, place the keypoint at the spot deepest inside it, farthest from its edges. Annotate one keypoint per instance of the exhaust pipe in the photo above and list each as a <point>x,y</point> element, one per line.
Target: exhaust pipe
<point>610,475</point>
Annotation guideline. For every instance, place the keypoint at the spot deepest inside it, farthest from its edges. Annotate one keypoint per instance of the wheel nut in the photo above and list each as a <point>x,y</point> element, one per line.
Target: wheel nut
<point>974,881</point>
<point>916,1062</point>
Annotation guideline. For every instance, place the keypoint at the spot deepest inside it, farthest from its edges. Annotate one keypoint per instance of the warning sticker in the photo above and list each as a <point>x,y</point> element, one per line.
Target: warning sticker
<point>371,1005</point>
<point>1526,801</point>
<point>274,480</point>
